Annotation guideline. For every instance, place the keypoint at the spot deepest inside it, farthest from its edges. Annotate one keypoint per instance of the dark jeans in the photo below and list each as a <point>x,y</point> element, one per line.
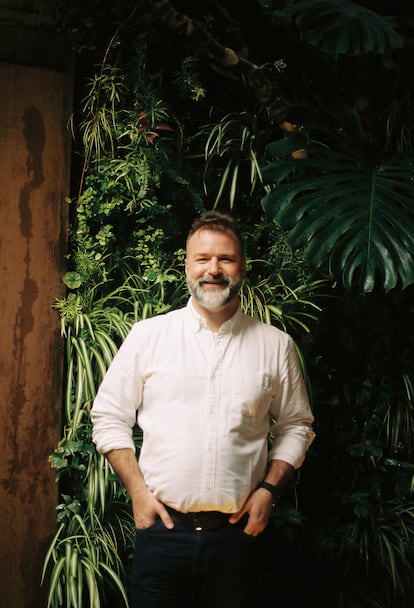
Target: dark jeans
<point>184,568</point>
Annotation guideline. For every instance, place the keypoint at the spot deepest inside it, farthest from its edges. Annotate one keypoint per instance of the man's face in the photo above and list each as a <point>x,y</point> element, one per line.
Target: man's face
<point>214,267</point>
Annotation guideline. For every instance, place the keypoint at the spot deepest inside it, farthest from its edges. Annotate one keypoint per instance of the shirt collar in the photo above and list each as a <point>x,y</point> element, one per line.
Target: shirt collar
<point>198,323</point>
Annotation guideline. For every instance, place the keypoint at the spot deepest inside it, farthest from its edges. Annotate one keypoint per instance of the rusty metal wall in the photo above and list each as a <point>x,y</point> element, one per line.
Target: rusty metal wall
<point>34,181</point>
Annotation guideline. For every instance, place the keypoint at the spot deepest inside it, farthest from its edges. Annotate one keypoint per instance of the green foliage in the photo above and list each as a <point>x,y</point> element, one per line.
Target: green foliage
<point>100,108</point>
<point>274,302</point>
<point>231,141</point>
<point>364,534</point>
<point>95,532</point>
<point>165,130</point>
<point>188,80</point>
<point>354,220</point>
<point>121,272</point>
<point>342,27</point>
<point>348,204</point>
<point>86,553</point>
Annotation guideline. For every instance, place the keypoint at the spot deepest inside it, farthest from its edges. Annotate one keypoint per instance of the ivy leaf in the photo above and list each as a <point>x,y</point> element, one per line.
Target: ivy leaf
<point>57,461</point>
<point>72,279</point>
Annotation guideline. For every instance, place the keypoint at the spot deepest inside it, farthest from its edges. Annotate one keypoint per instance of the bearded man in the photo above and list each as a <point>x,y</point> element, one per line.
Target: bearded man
<point>206,384</point>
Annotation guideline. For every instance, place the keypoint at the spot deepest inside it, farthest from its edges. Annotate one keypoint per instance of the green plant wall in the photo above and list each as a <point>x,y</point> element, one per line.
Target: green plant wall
<point>299,122</point>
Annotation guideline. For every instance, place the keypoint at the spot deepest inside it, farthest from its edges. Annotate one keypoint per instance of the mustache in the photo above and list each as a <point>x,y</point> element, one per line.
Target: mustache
<point>218,279</point>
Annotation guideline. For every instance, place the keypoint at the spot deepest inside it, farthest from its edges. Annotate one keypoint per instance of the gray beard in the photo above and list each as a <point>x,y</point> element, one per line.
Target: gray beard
<point>211,297</point>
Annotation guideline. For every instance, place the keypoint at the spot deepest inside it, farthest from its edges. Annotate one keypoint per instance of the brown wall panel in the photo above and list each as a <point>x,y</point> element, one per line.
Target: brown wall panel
<point>34,175</point>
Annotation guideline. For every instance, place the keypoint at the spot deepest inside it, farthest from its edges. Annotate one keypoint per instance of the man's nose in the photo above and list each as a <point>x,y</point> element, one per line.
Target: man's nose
<point>214,266</point>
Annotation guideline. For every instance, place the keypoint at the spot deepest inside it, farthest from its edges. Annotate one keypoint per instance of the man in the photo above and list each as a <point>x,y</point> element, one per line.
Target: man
<point>204,383</point>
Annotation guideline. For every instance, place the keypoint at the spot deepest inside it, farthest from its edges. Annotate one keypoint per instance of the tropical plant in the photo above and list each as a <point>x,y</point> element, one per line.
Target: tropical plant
<point>342,27</point>
<point>352,214</point>
<point>348,201</point>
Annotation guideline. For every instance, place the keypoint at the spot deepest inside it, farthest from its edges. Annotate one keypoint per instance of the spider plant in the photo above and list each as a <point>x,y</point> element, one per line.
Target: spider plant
<point>95,531</point>
<point>381,536</point>
<point>230,156</point>
<point>85,557</point>
<point>272,301</point>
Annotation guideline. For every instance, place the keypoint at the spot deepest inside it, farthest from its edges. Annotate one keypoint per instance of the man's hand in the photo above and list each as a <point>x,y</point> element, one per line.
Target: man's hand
<point>147,508</point>
<point>258,506</point>
<point>259,503</point>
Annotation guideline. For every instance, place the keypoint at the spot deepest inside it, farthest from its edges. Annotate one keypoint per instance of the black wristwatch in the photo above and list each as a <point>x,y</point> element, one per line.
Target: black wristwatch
<point>274,490</point>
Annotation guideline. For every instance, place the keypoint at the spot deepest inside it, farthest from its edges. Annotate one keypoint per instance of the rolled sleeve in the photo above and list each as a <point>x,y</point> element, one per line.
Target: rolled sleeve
<point>114,411</point>
<point>292,431</point>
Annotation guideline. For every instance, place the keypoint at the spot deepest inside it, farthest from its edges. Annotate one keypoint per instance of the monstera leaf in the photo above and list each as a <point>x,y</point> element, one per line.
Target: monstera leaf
<point>342,27</point>
<point>355,221</point>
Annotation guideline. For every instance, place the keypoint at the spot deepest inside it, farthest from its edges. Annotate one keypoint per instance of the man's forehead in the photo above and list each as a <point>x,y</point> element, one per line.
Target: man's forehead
<point>206,237</point>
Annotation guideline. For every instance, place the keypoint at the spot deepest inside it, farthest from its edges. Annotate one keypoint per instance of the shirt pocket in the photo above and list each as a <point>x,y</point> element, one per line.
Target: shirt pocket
<point>251,395</point>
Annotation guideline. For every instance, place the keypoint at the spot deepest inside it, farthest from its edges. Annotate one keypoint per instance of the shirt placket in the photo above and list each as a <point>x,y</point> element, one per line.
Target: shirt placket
<point>212,418</point>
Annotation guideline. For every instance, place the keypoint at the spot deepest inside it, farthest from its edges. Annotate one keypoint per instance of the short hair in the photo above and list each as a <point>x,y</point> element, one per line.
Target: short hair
<point>216,220</point>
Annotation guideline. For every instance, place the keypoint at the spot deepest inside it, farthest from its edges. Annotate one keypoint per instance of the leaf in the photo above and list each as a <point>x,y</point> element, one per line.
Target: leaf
<point>55,582</point>
<point>354,221</point>
<point>341,27</point>
<point>73,280</point>
<point>117,582</point>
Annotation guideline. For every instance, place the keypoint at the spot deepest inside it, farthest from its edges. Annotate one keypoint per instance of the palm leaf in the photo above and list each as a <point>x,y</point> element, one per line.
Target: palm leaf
<point>341,27</point>
<point>355,221</point>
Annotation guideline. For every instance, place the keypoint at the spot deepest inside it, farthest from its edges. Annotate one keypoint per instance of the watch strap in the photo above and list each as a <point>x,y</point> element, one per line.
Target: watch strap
<point>274,490</point>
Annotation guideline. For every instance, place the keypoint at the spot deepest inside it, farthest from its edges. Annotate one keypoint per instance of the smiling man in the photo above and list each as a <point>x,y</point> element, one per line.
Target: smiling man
<point>204,383</point>
<point>215,269</point>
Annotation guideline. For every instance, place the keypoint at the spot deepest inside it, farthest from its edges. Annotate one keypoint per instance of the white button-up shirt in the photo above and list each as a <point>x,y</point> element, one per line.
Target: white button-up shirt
<point>206,403</point>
